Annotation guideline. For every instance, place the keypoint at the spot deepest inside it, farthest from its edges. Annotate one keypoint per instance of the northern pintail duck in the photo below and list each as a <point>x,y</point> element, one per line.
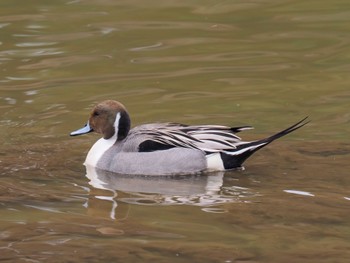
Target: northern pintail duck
<point>166,148</point>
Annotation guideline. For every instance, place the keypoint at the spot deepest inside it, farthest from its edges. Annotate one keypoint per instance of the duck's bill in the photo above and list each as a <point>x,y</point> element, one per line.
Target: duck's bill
<point>85,129</point>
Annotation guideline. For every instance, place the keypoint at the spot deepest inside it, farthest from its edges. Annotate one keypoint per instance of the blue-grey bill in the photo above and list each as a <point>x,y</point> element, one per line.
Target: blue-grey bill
<point>85,129</point>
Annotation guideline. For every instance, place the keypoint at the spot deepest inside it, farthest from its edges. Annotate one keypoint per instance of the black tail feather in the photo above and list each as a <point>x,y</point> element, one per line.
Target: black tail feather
<point>236,158</point>
<point>279,134</point>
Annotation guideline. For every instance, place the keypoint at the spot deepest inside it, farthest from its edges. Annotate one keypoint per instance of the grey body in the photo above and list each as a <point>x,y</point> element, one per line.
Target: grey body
<point>124,156</point>
<point>172,161</point>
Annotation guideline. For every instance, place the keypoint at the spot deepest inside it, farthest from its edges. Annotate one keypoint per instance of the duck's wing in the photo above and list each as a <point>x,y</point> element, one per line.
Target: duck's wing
<point>207,138</point>
<point>215,138</point>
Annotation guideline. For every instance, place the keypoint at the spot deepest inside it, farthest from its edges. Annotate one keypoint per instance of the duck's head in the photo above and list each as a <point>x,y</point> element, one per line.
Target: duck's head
<point>108,118</point>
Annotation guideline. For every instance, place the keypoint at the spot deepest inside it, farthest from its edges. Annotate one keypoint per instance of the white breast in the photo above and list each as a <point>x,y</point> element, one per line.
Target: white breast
<point>102,145</point>
<point>97,150</point>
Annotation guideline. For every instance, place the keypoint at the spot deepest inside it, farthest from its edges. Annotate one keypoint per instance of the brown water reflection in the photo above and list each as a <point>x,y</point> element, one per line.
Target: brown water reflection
<point>265,64</point>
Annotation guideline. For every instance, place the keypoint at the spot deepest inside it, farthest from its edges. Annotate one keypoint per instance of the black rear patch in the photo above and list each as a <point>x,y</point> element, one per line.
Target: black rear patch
<point>151,146</point>
<point>234,161</point>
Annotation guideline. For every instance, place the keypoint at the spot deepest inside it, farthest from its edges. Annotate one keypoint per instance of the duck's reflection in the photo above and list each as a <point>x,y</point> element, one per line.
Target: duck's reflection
<point>199,190</point>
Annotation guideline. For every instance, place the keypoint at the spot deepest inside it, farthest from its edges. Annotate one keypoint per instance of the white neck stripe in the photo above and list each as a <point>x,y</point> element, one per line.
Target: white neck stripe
<point>116,125</point>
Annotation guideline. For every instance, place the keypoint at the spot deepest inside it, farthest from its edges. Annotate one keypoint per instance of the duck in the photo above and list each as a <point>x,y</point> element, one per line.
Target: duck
<point>166,148</point>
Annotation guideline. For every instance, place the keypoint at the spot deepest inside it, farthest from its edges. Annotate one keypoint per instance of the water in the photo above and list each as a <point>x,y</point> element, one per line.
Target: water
<point>266,64</point>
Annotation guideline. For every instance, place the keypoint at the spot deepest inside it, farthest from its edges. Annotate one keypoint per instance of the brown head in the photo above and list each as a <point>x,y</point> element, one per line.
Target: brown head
<point>107,118</point>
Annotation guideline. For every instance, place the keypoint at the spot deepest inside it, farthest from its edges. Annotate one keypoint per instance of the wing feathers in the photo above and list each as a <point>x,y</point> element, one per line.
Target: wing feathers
<point>207,138</point>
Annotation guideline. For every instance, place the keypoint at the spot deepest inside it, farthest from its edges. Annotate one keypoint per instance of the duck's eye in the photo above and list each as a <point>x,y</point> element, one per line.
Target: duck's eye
<point>96,113</point>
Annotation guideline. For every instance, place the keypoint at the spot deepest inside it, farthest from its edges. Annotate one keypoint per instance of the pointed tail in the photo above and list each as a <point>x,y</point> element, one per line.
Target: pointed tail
<point>243,151</point>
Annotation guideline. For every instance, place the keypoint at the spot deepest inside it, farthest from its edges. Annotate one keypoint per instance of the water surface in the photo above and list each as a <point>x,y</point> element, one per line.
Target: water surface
<point>261,63</point>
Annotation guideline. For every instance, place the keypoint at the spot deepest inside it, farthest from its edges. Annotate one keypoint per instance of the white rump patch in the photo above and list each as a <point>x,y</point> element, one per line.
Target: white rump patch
<point>214,162</point>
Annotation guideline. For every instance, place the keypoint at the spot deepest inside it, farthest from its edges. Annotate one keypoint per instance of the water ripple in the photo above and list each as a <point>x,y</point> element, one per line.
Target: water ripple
<point>154,25</point>
<point>298,192</point>
<point>31,52</point>
<point>145,48</point>
<point>35,44</point>
<point>230,56</point>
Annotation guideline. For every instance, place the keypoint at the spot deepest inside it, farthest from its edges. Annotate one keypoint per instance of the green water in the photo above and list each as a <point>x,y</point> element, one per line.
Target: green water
<point>261,63</point>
